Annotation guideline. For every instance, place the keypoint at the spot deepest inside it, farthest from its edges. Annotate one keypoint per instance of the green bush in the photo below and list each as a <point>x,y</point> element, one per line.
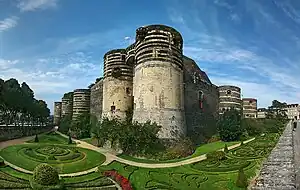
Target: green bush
<point>36,139</point>
<point>229,125</point>
<point>216,155</point>
<point>70,140</point>
<point>241,179</point>
<point>44,174</point>
<point>226,148</point>
<point>36,186</point>
<point>51,157</point>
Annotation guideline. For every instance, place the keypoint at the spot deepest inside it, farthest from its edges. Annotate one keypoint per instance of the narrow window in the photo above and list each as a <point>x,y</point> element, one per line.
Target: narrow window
<point>112,108</point>
<point>128,91</point>
<point>228,92</point>
<point>123,57</point>
<point>200,99</point>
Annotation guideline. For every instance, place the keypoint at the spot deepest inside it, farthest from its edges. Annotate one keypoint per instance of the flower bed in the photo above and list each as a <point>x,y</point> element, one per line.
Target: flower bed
<point>121,180</point>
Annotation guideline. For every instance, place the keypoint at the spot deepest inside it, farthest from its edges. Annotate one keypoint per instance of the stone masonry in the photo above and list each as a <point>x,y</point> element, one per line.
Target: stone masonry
<point>278,171</point>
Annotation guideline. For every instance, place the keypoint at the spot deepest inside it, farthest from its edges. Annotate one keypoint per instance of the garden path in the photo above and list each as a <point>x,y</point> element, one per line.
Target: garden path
<point>112,157</point>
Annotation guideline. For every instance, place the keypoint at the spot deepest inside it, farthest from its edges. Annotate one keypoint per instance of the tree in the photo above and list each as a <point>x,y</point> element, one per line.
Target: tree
<point>18,105</point>
<point>229,125</point>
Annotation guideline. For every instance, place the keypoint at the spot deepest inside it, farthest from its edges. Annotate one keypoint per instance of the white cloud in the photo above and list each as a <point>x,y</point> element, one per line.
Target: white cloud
<point>32,5</point>
<point>5,64</point>
<point>260,75</point>
<point>8,23</point>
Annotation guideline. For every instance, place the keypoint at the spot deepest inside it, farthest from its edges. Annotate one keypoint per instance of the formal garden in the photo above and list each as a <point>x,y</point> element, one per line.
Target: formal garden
<point>52,160</point>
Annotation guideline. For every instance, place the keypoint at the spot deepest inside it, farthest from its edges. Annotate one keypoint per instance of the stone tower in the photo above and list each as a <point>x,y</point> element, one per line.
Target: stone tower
<point>81,102</point>
<point>229,97</point>
<point>57,113</point>
<point>117,84</point>
<point>158,79</point>
<point>67,104</point>
<point>249,107</point>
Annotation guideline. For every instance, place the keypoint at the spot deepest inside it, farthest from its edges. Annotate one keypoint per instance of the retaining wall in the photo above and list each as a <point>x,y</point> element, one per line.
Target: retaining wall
<point>9,133</point>
<point>278,171</point>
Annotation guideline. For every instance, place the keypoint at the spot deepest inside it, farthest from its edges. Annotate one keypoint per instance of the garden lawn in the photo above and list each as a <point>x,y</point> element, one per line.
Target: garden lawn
<point>51,138</point>
<point>15,155</point>
<point>204,175</point>
<point>203,149</point>
<point>13,179</point>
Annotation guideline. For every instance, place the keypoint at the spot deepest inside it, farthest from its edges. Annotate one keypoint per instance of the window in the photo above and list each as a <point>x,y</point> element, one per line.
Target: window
<point>200,99</point>
<point>123,57</point>
<point>112,108</point>
<point>228,92</point>
<point>128,91</point>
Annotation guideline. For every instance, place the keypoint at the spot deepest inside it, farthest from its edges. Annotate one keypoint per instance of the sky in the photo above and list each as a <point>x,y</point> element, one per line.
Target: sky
<point>56,46</point>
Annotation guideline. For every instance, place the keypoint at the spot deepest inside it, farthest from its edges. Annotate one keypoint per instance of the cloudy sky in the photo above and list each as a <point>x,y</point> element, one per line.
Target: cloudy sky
<point>58,45</point>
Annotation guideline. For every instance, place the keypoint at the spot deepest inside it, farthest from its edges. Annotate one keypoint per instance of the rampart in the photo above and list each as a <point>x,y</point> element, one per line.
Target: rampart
<point>278,171</point>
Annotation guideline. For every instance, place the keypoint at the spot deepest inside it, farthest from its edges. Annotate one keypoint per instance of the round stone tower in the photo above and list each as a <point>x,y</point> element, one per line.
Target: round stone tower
<point>229,97</point>
<point>250,107</point>
<point>117,84</point>
<point>81,102</point>
<point>158,79</point>
<point>67,104</point>
<point>57,113</point>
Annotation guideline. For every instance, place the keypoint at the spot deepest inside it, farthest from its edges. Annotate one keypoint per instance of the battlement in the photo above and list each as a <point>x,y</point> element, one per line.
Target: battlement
<point>115,65</point>
<point>158,43</point>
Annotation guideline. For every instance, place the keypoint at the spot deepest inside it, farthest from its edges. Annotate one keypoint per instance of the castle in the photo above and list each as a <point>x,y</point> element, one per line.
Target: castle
<point>153,78</point>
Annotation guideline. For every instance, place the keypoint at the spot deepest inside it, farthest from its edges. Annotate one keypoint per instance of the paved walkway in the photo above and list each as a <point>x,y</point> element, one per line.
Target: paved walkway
<point>297,154</point>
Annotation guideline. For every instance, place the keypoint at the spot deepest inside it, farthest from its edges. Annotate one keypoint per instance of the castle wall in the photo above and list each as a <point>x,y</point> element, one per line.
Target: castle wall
<point>117,84</point>
<point>97,99</point>
<point>57,113</point>
<point>249,107</point>
<point>158,80</point>
<point>81,102</point>
<point>200,102</point>
<point>67,104</point>
<point>229,97</point>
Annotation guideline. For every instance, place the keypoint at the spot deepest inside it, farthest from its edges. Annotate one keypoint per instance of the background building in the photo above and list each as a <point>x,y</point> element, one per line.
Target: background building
<point>261,113</point>
<point>249,107</point>
<point>292,111</point>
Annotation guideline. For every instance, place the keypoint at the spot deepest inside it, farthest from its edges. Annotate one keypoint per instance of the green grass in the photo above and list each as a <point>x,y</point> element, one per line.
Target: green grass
<point>203,149</point>
<point>210,147</point>
<point>15,155</point>
<point>51,138</point>
<point>207,174</point>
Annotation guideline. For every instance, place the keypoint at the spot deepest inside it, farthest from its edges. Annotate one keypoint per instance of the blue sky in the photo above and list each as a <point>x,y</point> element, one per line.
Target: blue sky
<point>58,45</point>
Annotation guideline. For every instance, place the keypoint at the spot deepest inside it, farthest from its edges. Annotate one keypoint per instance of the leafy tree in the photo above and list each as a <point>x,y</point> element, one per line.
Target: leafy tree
<point>229,125</point>
<point>82,126</point>
<point>18,105</point>
<point>65,124</point>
